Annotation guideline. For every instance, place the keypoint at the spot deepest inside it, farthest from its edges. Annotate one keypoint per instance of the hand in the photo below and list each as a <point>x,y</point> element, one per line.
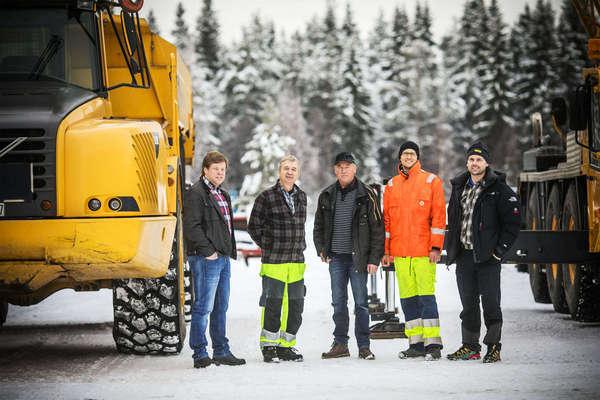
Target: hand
<point>435,256</point>
<point>371,268</point>
<point>387,260</point>
<point>325,259</point>
<point>213,256</point>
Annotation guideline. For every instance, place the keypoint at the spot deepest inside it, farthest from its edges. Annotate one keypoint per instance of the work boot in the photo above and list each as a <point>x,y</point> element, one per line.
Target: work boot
<point>270,354</point>
<point>464,353</point>
<point>202,362</point>
<point>365,353</point>
<point>229,359</point>
<point>289,354</point>
<point>493,353</point>
<point>337,351</point>
<point>433,354</point>
<point>411,352</point>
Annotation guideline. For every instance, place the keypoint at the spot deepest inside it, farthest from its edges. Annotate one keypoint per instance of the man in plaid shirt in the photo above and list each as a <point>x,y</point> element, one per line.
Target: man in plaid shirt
<point>210,244</point>
<point>277,225</point>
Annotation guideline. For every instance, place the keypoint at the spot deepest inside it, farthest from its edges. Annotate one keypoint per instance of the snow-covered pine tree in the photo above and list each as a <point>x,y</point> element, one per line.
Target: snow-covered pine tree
<point>467,71</point>
<point>572,57</point>
<point>152,23</point>
<point>181,34</point>
<point>545,57</point>
<point>321,77</point>
<point>494,116</point>
<point>262,154</point>
<point>291,111</point>
<point>251,78</point>
<point>207,47</point>
<point>206,72</point>
<point>352,102</point>
<point>380,88</point>
<point>423,94</point>
<point>395,93</point>
<point>522,83</point>
<point>452,110</point>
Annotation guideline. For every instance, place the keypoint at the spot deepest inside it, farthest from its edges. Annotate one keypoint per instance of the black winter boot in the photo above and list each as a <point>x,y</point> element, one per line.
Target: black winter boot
<point>270,354</point>
<point>289,354</point>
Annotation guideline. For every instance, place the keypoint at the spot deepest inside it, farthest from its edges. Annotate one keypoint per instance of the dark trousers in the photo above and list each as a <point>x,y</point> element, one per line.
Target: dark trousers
<point>273,299</point>
<point>475,281</point>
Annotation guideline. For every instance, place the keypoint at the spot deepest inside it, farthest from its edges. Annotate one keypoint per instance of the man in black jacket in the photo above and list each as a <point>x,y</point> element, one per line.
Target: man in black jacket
<point>210,243</point>
<point>277,225</point>
<point>349,235</point>
<point>483,222</point>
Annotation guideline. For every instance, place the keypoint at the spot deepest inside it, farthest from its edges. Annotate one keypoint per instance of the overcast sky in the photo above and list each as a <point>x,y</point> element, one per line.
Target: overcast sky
<point>291,15</point>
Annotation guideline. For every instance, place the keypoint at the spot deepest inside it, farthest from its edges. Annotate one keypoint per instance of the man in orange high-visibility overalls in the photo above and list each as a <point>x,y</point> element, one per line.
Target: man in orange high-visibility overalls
<point>414,213</point>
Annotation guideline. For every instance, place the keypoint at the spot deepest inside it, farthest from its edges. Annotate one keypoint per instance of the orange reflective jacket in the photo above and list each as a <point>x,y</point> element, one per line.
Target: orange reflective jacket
<point>414,213</point>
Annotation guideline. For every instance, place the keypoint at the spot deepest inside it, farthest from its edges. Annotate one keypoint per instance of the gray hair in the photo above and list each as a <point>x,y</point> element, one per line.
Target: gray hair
<point>290,158</point>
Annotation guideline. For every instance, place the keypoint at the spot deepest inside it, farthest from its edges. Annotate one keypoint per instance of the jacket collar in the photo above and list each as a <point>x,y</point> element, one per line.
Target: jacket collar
<point>489,178</point>
<point>360,188</point>
<point>411,172</point>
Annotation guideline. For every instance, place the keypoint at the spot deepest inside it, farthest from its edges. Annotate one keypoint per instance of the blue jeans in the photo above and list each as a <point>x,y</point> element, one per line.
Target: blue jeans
<point>341,269</point>
<point>211,296</point>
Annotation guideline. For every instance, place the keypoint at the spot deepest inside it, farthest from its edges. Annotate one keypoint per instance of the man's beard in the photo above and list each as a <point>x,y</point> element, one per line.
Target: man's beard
<point>481,172</point>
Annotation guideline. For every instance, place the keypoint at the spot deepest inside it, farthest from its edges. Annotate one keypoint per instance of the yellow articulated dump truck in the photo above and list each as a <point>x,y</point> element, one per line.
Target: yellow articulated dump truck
<point>560,194</point>
<point>96,128</point>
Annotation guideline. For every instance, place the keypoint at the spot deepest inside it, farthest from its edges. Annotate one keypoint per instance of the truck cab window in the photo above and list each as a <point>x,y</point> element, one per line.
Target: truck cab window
<point>49,45</point>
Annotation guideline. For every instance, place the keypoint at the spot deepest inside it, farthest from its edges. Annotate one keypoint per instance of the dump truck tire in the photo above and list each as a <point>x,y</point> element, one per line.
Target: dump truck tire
<point>3,312</point>
<point>537,276</point>
<point>149,314</point>
<point>554,273</point>
<point>581,281</point>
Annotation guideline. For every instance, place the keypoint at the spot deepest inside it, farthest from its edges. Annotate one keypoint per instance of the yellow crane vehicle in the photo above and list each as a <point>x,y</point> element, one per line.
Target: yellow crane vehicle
<point>560,194</point>
<point>96,128</point>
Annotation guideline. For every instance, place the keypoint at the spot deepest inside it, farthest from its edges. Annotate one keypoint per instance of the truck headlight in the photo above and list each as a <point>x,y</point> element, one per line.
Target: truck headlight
<point>115,204</point>
<point>94,204</point>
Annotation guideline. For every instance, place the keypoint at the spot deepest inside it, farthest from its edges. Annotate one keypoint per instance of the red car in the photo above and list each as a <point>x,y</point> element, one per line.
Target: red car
<point>245,245</point>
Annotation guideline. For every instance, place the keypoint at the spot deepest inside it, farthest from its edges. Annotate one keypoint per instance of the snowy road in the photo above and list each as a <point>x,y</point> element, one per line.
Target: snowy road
<point>63,349</point>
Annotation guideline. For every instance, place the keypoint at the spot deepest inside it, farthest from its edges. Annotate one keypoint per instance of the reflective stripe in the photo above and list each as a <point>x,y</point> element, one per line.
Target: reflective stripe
<point>438,231</point>
<point>433,340</point>
<point>268,338</point>
<point>287,340</point>
<point>431,331</point>
<point>431,322</point>
<point>414,323</point>
<point>415,339</point>
<point>387,235</point>
<point>414,330</point>
<point>430,178</point>
<point>271,336</point>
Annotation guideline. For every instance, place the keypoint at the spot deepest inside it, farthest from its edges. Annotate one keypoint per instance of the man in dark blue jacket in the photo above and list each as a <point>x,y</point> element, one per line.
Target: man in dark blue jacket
<point>483,222</point>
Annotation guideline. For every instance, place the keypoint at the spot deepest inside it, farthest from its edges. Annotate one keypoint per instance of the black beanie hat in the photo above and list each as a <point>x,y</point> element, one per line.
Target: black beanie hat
<point>479,149</point>
<point>408,145</point>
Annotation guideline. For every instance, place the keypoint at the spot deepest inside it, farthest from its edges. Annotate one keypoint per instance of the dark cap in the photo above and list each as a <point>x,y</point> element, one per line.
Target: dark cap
<point>345,156</point>
<point>479,149</point>
<point>409,145</point>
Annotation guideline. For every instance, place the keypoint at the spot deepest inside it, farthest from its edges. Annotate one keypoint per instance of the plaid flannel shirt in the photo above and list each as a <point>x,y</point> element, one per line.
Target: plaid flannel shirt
<point>279,232</point>
<point>221,201</point>
<point>467,201</point>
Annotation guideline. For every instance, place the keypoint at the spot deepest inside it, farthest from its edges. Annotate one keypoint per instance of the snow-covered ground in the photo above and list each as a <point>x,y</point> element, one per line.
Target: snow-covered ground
<point>63,349</point>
